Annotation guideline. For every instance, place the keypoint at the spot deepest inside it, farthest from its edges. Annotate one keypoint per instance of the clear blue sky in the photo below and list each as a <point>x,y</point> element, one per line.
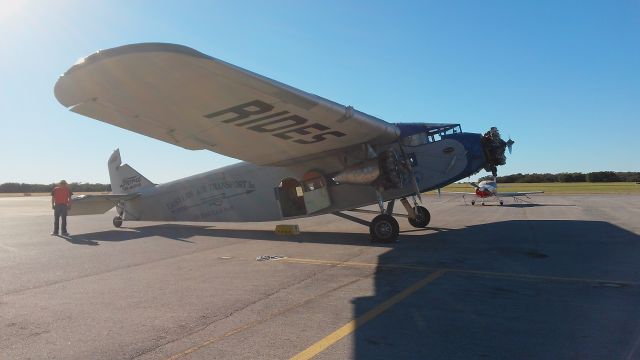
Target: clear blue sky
<point>561,77</point>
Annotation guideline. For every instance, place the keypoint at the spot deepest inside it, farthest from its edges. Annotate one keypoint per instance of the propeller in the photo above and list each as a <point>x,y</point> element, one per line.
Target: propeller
<point>510,144</point>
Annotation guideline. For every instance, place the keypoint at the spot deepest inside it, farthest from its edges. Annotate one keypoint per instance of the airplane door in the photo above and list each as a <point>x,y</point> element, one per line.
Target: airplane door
<point>291,198</point>
<point>316,195</point>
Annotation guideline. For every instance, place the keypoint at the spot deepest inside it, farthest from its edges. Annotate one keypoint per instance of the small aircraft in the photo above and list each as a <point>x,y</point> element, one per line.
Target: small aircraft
<point>489,190</point>
<point>302,155</point>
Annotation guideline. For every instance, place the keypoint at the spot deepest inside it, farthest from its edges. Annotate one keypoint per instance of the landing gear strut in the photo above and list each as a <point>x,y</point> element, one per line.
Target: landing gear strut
<point>384,228</point>
<point>422,219</point>
<point>419,216</point>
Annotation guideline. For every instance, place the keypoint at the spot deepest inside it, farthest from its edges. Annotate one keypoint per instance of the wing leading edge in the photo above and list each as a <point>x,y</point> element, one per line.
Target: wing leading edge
<point>178,95</point>
<point>519,193</point>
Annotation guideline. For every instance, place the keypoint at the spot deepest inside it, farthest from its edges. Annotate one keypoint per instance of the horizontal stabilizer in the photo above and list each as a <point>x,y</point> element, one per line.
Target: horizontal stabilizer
<point>96,204</point>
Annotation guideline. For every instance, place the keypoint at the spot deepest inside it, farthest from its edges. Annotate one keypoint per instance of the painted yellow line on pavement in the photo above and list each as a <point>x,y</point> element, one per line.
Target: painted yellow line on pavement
<point>352,325</point>
<point>453,270</point>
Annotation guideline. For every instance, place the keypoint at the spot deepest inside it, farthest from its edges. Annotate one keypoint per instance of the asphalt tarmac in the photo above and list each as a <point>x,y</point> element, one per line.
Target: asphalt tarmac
<point>555,279</point>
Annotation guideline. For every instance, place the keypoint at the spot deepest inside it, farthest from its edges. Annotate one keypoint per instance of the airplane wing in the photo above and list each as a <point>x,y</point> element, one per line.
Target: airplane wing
<point>178,95</point>
<point>96,204</point>
<point>518,193</point>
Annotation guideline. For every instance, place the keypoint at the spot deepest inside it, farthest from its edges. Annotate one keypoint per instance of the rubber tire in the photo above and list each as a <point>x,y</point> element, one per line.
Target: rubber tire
<point>501,202</point>
<point>422,219</point>
<point>384,228</point>
<point>117,221</point>
<point>473,202</point>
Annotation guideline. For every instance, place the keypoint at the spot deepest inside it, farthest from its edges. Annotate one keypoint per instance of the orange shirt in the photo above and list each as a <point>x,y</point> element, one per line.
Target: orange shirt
<point>61,195</point>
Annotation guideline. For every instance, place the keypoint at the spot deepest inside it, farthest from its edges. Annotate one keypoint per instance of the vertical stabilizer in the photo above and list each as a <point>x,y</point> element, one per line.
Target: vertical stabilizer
<point>124,179</point>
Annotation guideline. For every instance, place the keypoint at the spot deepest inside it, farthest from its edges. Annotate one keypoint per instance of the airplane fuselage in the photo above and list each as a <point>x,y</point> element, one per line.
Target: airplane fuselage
<point>486,189</point>
<point>248,192</point>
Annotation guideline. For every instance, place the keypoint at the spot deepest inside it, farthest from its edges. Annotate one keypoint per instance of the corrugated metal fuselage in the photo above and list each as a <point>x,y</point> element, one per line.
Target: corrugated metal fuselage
<point>248,192</point>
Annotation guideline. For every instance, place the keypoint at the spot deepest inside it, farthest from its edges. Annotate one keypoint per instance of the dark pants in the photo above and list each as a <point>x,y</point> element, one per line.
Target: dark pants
<point>60,210</point>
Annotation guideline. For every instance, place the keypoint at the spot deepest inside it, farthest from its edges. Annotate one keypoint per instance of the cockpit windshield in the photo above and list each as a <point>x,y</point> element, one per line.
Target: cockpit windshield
<point>420,134</point>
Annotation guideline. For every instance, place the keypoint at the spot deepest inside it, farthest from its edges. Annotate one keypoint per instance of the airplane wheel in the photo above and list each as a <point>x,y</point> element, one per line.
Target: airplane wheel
<point>423,217</point>
<point>117,221</point>
<point>501,202</point>
<point>384,228</point>
<point>473,202</point>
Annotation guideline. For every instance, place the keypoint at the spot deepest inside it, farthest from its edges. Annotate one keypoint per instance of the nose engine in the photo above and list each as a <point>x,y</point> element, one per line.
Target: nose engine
<point>494,148</point>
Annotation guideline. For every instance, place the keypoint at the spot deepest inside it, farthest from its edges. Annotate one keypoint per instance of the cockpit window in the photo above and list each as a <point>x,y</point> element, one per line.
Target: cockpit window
<point>431,135</point>
<point>415,140</point>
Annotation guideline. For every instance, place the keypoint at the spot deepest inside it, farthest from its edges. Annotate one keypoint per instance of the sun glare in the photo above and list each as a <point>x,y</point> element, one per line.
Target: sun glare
<point>10,8</point>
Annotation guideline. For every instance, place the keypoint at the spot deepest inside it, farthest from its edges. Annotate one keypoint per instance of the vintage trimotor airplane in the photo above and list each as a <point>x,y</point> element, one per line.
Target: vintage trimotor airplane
<point>303,155</point>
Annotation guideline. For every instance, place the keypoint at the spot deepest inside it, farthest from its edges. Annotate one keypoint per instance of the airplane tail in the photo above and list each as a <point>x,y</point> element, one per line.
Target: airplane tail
<point>124,179</point>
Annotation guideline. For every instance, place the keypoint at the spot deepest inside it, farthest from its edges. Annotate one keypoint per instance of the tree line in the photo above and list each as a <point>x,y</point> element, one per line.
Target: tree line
<point>597,176</point>
<point>40,188</point>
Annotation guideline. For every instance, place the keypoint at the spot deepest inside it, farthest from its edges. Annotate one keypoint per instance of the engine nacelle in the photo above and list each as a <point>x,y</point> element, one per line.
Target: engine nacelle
<point>384,171</point>
<point>361,174</point>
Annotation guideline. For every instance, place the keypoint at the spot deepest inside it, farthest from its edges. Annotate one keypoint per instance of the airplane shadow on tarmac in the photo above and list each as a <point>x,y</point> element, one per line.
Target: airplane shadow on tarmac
<point>533,289</point>
<point>181,232</point>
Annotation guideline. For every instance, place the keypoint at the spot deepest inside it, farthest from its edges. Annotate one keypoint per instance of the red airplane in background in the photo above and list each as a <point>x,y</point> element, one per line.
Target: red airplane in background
<point>489,190</point>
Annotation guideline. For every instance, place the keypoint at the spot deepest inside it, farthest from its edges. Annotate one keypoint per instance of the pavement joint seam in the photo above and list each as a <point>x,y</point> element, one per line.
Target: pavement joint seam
<point>265,319</point>
<point>127,267</point>
<point>463,271</point>
<point>255,322</point>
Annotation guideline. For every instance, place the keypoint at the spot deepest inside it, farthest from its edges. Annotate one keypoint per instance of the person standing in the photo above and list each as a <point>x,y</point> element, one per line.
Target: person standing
<point>60,203</point>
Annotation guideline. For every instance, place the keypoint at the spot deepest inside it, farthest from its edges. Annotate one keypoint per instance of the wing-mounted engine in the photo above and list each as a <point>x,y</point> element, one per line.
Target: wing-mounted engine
<point>494,148</point>
<point>385,170</point>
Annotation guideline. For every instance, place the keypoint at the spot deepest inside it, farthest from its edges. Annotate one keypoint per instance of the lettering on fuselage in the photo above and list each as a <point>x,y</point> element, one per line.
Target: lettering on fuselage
<point>131,183</point>
<point>261,117</point>
<point>212,194</point>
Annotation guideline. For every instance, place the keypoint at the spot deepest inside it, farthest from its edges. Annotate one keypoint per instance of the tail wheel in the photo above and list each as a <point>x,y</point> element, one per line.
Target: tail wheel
<point>117,221</point>
<point>423,217</point>
<point>384,228</point>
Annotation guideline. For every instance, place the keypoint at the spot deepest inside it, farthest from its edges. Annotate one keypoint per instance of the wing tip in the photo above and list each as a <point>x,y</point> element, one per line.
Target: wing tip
<point>60,89</point>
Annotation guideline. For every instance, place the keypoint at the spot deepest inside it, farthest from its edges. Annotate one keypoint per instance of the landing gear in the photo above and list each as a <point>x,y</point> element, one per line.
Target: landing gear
<point>384,228</point>
<point>473,202</point>
<point>419,216</point>
<point>501,202</point>
<point>117,221</point>
<point>422,218</point>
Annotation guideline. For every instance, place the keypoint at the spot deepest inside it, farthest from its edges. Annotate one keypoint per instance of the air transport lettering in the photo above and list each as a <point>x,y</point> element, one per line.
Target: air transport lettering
<point>131,183</point>
<point>212,194</point>
<point>258,116</point>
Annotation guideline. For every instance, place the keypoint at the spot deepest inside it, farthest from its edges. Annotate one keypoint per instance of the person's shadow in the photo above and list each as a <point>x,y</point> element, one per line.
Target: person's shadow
<point>78,240</point>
